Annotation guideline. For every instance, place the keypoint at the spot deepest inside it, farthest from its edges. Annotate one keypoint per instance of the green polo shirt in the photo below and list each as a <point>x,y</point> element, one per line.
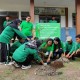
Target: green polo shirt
<point>26,28</point>
<point>22,53</point>
<point>48,48</point>
<point>8,34</point>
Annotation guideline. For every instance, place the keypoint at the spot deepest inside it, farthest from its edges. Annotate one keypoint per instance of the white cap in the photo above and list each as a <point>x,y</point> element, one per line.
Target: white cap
<point>69,38</point>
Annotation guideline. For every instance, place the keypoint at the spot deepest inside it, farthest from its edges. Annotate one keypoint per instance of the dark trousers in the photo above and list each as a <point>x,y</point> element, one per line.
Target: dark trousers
<point>77,55</point>
<point>26,62</point>
<point>58,53</point>
<point>3,52</point>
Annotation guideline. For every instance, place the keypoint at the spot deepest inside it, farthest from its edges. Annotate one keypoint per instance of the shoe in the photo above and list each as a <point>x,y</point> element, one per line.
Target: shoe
<point>10,63</point>
<point>2,63</point>
<point>26,67</point>
<point>16,65</point>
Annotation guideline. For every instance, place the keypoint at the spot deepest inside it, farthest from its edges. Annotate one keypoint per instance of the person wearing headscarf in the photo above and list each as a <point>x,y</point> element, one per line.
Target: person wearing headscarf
<point>25,54</point>
<point>6,36</point>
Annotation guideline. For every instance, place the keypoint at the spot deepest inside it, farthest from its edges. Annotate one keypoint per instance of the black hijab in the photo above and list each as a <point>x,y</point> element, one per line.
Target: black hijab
<point>14,23</point>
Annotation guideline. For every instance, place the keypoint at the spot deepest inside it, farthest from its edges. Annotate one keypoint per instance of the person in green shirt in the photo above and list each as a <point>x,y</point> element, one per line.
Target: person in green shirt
<point>27,28</point>
<point>7,35</point>
<point>69,47</point>
<point>58,48</point>
<point>76,48</point>
<point>8,21</point>
<point>25,54</point>
<point>53,20</point>
<point>46,49</point>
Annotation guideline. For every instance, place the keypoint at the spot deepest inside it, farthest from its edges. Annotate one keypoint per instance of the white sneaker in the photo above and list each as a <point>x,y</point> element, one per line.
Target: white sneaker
<point>2,63</point>
<point>25,67</point>
<point>10,63</point>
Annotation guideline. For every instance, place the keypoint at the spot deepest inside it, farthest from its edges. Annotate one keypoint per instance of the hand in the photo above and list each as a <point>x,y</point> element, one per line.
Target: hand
<point>32,38</point>
<point>48,60</point>
<point>28,39</point>
<point>70,56</point>
<point>56,50</point>
<point>77,51</point>
<point>67,56</point>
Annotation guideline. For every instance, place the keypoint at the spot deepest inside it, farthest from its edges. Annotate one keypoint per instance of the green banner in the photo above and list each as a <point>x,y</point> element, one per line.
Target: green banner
<point>47,30</point>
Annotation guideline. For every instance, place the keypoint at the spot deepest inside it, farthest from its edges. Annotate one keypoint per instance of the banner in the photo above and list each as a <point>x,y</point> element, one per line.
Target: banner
<point>49,11</point>
<point>47,30</point>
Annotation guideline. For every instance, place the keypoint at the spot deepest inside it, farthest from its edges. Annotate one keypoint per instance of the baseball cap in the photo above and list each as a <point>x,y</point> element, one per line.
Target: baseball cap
<point>69,38</point>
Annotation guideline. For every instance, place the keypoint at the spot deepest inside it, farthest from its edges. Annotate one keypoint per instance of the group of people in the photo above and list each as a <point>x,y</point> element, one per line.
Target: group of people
<point>28,48</point>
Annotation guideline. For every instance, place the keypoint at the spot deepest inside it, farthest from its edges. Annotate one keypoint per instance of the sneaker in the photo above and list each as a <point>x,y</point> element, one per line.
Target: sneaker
<point>16,65</point>
<point>10,63</point>
<point>2,63</point>
<point>25,67</point>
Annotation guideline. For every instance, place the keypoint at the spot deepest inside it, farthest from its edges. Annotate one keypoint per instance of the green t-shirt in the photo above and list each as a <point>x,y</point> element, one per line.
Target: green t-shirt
<point>48,48</point>
<point>6,23</point>
<point>22,53</point>
<point>26,28</point>
<point>69,47</point>
<point>52,21</point>
<point>56,46</point>
<point>77,46</point>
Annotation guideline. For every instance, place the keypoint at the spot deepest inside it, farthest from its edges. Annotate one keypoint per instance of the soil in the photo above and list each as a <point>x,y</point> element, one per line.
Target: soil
<point>70,71</point>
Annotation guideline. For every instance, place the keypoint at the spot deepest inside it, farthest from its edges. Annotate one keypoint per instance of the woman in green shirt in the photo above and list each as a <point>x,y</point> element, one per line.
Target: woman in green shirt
<point>46,49</point>
<point>58,48</point>
<point>7,34</point>
<point>25,54</point>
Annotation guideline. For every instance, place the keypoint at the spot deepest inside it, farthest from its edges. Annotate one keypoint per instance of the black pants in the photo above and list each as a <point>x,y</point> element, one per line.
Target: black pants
<point>26,62</point>
<point>4,52</point>
<point>59,52</point>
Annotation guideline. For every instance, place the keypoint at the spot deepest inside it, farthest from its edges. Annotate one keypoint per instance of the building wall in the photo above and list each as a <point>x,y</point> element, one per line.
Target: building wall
<point>24,5</point>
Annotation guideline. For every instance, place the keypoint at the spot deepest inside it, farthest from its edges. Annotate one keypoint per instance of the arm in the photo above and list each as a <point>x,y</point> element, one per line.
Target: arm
<point>42,46</point>
<point>72,52</point>
<point>37,57</point>
<point>51,53</point>
<point>20,33</point>
<point>48,60</point>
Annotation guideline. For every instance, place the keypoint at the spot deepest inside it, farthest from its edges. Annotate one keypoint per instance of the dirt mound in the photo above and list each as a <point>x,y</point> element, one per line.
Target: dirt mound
<point>46,71</point>
<point>57,64</point>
